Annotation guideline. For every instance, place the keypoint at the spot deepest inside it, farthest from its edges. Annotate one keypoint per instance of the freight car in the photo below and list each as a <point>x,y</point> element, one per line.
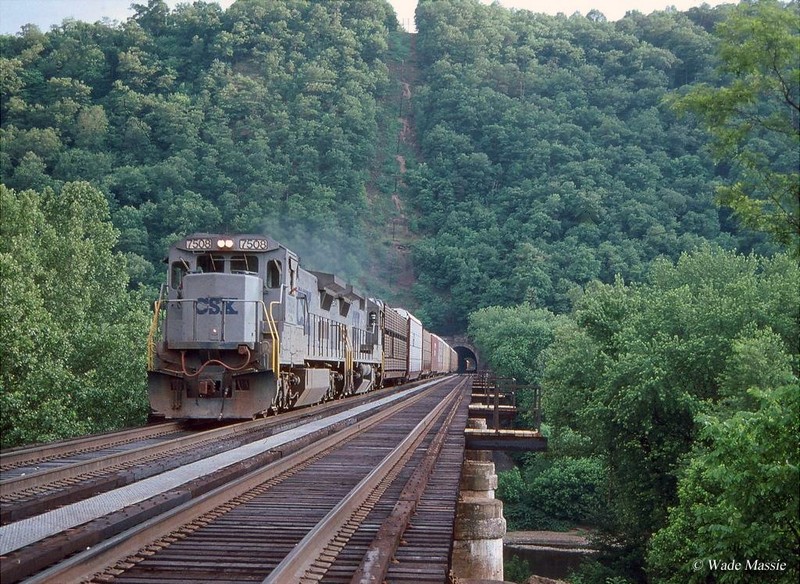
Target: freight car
<point>241,329</point>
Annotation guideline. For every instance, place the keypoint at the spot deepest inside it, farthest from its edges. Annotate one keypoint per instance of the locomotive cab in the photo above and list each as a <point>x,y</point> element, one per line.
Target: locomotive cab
<point>219,334</point>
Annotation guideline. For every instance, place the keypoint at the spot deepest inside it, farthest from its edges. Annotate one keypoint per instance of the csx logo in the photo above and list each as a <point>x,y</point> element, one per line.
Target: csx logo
<point>215,305</point>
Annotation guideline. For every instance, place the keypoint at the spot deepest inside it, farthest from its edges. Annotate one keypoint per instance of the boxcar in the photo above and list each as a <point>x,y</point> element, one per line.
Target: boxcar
<point>414,365</point>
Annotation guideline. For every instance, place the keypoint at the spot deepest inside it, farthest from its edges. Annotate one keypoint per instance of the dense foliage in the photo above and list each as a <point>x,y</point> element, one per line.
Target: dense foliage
<point>740,492</point>
<point>550,156</point>
<point>261,118</point>
<point>71,335</point>
<point>672,411</point>
<point>755,116</point>
<point>555,192</point>
<point>559,172</point>
<point>681,392</point>
<point>512,339</point>
<point>643,364</point>
<point>554,493</point>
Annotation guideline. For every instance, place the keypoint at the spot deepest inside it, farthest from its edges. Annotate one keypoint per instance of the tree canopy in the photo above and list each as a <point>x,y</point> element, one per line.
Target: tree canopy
<point>754,117</point>
<point>71,334</point>
<point>259,118</point>
<point>556,201</point>
<point>546,155</point>
<point>671,408</point>
<point>709,342</point>
<point>550,155</point>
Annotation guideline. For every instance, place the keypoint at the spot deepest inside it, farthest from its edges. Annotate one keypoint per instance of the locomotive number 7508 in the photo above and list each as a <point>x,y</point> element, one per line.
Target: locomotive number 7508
<point>255,244</point>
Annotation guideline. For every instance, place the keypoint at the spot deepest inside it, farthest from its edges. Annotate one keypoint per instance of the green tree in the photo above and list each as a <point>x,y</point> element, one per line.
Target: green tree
<point>645,362</point>
<point>72,335</point>
<point>754,117</point>
<point>739,498</point>
<point>511,339</point>
<point>554,493</point>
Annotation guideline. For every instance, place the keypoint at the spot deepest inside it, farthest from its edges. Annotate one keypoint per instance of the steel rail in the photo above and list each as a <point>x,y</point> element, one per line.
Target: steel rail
<point>12,486</point>
<point>31,454</point>
<point>380,553</point>
<point>100,557</point>
<point>298,565</point>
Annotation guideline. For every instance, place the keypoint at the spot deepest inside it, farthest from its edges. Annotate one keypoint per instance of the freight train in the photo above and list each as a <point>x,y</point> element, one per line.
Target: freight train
<point>242,330</point>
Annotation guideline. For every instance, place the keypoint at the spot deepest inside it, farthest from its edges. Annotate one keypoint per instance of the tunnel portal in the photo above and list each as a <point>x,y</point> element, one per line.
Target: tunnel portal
<point>467,361</point>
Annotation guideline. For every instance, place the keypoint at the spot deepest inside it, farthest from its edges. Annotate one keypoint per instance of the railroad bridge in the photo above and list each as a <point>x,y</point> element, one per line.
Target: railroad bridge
<point>468,356</point>
<point>322,494</point>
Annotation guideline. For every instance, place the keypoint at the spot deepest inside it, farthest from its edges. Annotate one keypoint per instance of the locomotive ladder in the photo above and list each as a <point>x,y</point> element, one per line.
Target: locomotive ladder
<point>276,340</point>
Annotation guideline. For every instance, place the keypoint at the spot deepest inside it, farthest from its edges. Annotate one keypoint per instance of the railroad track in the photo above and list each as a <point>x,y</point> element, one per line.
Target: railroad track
<point>30,458</point>
<point>42,478</point>
<point>335,491</point>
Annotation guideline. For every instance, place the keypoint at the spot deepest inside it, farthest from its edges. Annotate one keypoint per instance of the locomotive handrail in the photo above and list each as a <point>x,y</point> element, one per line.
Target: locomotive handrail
<point>348,359</point>
<point>151,342</point>
<point>273,331</point>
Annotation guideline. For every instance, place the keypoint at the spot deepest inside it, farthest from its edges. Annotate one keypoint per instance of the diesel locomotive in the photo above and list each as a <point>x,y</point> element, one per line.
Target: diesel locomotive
<point>241,330</point>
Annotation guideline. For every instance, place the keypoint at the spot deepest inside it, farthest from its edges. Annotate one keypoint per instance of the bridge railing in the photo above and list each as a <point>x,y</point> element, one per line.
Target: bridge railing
<point>505,392</point>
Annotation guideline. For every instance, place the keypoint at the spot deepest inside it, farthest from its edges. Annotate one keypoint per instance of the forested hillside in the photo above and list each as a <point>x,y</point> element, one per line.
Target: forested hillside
<point>261,118</point>
<point>118,139</point>
<point>551,157</point>
<point>545,156</point>
<point>662,329</point>
<point>609,209</point>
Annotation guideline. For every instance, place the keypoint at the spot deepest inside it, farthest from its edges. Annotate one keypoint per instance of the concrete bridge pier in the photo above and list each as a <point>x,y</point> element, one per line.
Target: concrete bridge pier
<point>480,525</point>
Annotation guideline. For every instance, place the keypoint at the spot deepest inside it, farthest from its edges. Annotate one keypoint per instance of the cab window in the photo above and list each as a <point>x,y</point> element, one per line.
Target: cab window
<point>177,272</point>
<point>210,263</point>
<point>244,264</point>
<point>273,274</point>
